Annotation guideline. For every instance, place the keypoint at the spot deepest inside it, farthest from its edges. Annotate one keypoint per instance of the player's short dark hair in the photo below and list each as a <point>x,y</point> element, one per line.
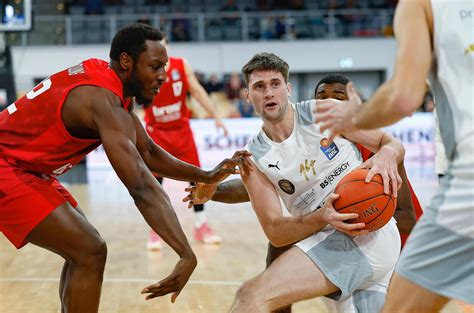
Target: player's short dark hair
<point>332,79</point>
<point>265,62</point>
<point>131,40</point>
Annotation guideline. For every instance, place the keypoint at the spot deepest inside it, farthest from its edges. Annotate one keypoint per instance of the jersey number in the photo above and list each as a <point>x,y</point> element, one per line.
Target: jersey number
<point>33,94</point>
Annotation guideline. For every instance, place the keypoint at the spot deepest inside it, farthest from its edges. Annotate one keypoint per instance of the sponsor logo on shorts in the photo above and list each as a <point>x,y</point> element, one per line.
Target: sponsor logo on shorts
<point>329,148</point>
<point>286,186</point>
<point>331,177</point>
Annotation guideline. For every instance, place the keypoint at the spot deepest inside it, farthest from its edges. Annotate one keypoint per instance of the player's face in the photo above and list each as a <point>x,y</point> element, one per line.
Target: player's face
<point>333,91</point>
<point>268,92</point>
<point>148,73</point>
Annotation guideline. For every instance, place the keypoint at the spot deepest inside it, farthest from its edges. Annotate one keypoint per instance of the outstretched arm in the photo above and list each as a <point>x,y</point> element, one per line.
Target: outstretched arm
<point>231,191</point>
<point>160,161</point>
<point>198,92</point>
<point>118,134</point>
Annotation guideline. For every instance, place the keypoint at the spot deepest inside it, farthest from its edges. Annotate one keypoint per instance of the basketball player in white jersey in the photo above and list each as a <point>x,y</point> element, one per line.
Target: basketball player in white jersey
<point>436,39</point>
<point>294,161</point>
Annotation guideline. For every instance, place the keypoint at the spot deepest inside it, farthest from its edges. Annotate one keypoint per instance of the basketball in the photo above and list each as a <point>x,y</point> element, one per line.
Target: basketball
<point>368,200</point>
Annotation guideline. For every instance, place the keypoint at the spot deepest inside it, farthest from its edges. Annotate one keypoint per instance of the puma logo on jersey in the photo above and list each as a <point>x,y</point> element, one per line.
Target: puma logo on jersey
<point>274,165</point>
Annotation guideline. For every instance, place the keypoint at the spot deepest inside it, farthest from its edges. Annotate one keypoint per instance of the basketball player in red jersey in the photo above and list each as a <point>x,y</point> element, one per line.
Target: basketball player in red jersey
<point>54,126</point>
<point>167,123</point>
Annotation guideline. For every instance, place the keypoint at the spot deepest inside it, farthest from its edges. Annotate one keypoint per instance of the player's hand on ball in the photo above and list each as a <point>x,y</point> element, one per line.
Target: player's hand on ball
<point>384,163</point>
<point>199,193</point>
<point>175,282</point>
<point>337,220</point>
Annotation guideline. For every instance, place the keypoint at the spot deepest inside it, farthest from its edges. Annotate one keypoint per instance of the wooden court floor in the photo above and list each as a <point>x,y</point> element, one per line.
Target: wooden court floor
<point>29,277</point>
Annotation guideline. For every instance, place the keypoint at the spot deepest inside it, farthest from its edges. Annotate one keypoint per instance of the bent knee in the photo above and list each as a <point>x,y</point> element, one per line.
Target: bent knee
<point>249,295</point>
<point>92,253</point>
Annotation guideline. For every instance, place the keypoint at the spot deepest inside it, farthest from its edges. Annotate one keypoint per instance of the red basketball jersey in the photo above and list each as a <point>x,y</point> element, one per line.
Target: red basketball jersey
<point>168,109</point>
<point>33,136</point>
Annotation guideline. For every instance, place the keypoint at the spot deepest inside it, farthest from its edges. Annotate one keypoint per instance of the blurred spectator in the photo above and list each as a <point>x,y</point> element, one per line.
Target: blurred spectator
<point>94,7</point>
<point>180,27</point>
<point>267,28</point>
<point>245,108</point>
<point>280,4</point>
<point>214,84</point>
<point>263,5</point>
<point>337,4</point>
<point>280,27</point>
<point>296,5</point>
<point>229,6</point>
<point>144,19</point>
<point>233,86</point>
<point>230,21</point>
<point>428,103</point>
<point>200,78</point>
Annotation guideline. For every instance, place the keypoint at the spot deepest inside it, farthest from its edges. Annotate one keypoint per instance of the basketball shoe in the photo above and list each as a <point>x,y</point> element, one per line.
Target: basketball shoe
<point>154,242</point>
<point>206,235</point>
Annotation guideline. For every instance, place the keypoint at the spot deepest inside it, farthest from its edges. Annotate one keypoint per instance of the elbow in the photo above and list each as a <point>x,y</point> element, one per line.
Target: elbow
<point>278,243</point>
<point>274,237</point>
<point>141,192</point>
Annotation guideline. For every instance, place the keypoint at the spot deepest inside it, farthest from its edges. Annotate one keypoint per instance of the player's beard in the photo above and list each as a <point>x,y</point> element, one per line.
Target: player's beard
<point>137,89</point>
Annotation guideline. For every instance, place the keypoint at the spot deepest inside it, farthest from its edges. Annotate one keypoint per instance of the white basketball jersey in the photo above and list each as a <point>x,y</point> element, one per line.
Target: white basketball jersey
<point>452,82</point>
<point>305,167</point>
<point>452,77</point>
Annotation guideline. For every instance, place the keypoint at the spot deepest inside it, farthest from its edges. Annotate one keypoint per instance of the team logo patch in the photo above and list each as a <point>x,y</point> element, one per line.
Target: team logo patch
<point>175,75</point>
<point>287,186</point>
<point>329,148</point>
<point>177,88</point>
<point>307,167</point>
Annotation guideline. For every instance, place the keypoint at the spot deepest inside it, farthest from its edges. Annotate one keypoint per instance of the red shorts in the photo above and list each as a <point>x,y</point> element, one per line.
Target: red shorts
<point>178,142</point>
<point>25,200</point>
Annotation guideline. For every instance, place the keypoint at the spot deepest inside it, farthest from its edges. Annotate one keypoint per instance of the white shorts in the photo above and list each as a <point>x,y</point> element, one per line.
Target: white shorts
<point>361,267</point>
<point>439,254</point>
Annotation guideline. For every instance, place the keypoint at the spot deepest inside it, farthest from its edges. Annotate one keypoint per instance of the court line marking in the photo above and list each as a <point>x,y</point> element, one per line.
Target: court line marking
<point>118,280</point>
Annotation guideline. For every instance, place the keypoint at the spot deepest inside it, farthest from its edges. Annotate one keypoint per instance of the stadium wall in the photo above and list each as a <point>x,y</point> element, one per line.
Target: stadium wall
<point>305,57</point>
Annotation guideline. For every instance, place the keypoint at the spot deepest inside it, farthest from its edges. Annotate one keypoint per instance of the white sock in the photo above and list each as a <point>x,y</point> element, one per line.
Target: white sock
<point>199,218</point>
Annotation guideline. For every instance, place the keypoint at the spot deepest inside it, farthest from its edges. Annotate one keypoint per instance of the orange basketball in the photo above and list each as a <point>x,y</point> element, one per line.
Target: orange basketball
<point>374,207</point>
